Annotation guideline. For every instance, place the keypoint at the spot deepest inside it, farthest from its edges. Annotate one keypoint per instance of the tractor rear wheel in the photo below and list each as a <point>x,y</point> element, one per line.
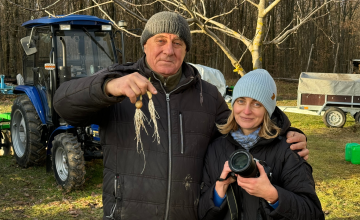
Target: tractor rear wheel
<point>5,142</point>
<point>334,117</point>
<point>68,161</point>
<point>26,131</point>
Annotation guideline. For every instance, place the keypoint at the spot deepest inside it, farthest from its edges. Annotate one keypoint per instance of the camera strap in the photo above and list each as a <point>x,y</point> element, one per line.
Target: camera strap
<point>231,200</point>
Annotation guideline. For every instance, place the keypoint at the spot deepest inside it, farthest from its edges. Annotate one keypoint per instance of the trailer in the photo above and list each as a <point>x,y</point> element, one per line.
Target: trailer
<point>331,95</point>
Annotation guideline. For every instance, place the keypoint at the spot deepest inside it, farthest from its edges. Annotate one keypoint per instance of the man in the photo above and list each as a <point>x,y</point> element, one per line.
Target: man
<point>169,187</point>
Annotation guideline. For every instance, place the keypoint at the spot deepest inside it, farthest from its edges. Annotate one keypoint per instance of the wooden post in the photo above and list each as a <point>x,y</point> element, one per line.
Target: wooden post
<point>337,50</point>
<point>308,64</point>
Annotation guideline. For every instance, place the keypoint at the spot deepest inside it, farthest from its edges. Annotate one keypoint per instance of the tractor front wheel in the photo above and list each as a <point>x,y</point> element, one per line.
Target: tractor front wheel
<point>68,161</point>
<point>26,131</point>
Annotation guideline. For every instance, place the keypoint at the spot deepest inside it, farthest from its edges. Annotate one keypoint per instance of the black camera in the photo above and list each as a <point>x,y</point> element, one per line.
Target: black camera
<point>243,163</point>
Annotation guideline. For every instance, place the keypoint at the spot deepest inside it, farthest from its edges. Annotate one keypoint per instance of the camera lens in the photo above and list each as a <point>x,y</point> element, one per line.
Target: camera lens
<point>242,162</point>
<point>239,161</point>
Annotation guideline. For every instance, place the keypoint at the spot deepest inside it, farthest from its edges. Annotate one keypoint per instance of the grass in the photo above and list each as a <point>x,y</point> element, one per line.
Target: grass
<point>32,193</point>
<point>337,181</point>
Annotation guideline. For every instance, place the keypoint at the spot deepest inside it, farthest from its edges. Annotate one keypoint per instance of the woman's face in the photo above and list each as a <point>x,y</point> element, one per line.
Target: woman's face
<point>249,114</point>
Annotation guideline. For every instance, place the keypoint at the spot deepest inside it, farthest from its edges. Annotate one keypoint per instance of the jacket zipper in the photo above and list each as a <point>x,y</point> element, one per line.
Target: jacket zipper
<point>113,208</point>
<point>181,135</point>
<point>169,136</point>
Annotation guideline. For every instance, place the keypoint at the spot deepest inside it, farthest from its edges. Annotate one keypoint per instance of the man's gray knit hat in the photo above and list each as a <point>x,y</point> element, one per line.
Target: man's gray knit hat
<point>167,22</point>
<point>257,84</point>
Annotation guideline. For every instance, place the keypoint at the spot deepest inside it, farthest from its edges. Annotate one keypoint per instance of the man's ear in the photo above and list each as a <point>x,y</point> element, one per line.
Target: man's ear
<point>145,46</point>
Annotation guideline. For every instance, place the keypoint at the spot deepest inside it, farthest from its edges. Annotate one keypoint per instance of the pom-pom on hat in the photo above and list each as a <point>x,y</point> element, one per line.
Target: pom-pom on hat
<point>257,84</point>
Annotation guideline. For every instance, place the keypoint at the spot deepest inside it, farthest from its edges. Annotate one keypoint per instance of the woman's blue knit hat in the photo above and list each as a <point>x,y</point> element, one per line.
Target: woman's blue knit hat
<point>257,84</point>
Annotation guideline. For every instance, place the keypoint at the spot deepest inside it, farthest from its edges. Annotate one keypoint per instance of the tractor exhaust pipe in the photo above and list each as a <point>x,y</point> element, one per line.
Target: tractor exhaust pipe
<point>64,71</point>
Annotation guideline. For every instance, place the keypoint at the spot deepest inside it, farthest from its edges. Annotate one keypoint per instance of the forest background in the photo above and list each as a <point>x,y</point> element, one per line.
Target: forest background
<point>331,36</point>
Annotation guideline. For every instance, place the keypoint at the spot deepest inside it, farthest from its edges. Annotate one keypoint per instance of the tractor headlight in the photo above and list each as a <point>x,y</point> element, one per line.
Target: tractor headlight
<point>65,27</point>
<point>106,27</point>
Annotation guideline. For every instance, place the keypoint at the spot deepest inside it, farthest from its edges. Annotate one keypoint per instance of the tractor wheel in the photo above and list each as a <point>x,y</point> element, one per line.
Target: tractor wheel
<point>6,143</point>
<point>68,161</point>
<point>334,117</point>
<point>26,131</point>
<point>357,118</point>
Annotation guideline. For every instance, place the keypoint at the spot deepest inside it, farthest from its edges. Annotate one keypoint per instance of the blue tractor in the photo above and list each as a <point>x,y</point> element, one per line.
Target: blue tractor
<point>58,49</point>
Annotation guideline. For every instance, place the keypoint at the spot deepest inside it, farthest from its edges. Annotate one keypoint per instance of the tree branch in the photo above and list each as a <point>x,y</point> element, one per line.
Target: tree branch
<point>279,39</point>
<point>270,7</point>
<point>203,5</point>
<point>130,12</point>
<point>256,5</point>
<point>142,5</point>
<point>34,10</point>
<point>217,16</point>
<point>94,6</point>
<point>197,32</point>
<point>227,30</point>
<point>113,22</point>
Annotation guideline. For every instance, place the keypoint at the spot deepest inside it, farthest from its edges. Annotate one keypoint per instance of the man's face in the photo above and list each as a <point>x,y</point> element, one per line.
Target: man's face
<point>165,53</point>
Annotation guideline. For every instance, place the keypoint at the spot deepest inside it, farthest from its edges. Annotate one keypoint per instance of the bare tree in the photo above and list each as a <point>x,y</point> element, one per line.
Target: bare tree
<point>196,13</point>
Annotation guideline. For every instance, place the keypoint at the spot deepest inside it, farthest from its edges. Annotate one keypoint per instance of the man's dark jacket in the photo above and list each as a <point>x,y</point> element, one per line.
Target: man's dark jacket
<point>291,176</point>
<point>169,187</point>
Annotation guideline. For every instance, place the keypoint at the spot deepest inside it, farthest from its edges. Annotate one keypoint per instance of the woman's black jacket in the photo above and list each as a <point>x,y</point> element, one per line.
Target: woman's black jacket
<point>292,177</point>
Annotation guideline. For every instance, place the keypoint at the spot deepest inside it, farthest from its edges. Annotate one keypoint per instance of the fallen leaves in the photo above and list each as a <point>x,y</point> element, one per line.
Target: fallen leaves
<point>75,213</point>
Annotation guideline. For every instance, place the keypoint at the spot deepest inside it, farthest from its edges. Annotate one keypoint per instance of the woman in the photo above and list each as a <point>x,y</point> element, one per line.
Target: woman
<point>291,192</point>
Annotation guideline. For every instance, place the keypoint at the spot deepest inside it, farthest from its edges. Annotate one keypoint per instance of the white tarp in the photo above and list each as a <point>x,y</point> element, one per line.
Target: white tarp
<point>212,76</point>
<point>329,84</point>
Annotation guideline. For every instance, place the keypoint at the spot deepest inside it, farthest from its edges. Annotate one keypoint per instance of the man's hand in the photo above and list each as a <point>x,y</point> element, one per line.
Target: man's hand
<point>299,141</point>
<point>132,86</point>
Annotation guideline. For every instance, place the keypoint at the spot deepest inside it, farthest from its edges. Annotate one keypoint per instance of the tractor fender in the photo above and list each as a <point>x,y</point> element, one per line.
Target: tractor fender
<point>34,97</point>
<point>61,129</point>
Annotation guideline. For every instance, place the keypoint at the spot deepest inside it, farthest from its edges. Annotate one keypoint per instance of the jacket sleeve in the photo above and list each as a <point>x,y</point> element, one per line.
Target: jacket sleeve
<point>222,114</point>
<point>207,209</point>
<point>82,101</point>
<point>297,196</point>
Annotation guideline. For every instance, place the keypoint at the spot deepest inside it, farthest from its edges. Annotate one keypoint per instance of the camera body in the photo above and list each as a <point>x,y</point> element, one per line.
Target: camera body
<point>243,163</point>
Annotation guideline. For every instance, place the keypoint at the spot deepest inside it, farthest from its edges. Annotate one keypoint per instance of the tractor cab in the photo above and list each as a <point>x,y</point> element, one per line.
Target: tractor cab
<point>64,48</point>
<point>58,49</point>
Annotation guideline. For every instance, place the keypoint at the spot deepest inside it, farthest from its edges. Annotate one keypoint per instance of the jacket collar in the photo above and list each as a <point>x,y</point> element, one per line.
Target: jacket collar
<point>190,76</point>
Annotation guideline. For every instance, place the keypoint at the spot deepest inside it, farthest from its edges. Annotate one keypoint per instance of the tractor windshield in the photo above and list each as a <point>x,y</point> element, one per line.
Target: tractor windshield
<point>84,51</point>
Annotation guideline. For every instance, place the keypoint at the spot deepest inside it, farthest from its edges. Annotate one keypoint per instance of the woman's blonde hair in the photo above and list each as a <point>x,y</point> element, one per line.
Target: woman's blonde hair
<point>268,129</point>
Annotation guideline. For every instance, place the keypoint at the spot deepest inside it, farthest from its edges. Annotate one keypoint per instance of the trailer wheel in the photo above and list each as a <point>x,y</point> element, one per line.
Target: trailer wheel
<point>334,117</point>
<point>68,161</point>
<point>357,118</point>
<point>26,133</point>
<point>6,143</point>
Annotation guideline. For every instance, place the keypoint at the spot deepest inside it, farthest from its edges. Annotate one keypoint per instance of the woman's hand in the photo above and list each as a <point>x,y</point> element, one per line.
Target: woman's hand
<point>299,143</point>
<point>221,186</point>
<point>260,186</point>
